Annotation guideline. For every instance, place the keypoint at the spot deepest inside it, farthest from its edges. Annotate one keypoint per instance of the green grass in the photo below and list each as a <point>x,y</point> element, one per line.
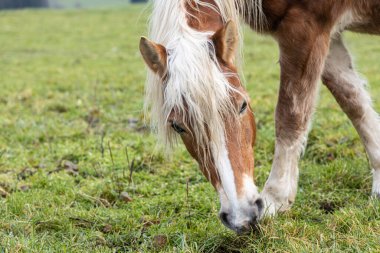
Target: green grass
<point>71,86</point>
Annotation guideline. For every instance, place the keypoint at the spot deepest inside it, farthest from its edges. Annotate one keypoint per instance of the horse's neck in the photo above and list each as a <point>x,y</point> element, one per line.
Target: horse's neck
<point>274,12</point>
<point>203,18</point>
<point>369,15</point>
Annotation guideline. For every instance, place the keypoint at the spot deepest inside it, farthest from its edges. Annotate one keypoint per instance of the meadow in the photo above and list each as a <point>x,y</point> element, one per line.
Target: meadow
<point>80,171</point>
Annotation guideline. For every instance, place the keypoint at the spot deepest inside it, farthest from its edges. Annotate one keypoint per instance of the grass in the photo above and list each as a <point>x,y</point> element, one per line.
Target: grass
<point>72,85</point>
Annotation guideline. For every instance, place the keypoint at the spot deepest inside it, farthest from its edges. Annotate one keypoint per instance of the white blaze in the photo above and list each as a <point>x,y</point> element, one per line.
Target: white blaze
<point>227,192</point>
<point>239,208</point>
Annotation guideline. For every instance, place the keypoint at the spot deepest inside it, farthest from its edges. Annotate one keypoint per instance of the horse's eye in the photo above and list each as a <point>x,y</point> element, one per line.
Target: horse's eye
<point>243,107</point>
<point>177,128</point>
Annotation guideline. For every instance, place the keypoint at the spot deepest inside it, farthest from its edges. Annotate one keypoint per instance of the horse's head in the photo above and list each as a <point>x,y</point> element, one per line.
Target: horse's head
<point>203,102</point>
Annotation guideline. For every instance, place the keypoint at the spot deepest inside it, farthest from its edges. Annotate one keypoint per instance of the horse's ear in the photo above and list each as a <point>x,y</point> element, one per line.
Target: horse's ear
<point>226,42</point>
<point>154,55</point>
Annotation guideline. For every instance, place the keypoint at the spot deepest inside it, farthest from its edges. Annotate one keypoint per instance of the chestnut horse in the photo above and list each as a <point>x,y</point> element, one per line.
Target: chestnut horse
<point>194,91</point>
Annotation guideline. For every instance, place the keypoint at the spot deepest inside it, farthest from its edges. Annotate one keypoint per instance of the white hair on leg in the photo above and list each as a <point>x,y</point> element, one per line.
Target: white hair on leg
<point>369,129</point>
<point>350,92</point>
<point>281,187</point>
<point>376,183</point>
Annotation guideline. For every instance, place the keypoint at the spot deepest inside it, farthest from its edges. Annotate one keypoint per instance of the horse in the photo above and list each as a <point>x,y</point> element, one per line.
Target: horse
<point>194,91</point>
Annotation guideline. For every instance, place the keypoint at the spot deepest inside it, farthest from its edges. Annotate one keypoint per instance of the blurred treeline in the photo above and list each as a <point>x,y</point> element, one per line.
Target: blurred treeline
<point>19,4</point>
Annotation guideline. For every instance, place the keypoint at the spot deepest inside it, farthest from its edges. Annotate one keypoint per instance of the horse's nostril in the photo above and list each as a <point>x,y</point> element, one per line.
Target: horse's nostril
<point>257,210</point>
<point>224,218</point>
<point>260,204</point>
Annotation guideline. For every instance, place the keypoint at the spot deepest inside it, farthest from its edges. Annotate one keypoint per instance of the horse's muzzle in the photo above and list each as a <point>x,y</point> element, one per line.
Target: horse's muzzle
<point>250,224</point>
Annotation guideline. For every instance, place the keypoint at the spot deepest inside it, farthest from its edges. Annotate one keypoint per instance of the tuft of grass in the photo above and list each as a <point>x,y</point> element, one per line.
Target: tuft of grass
<point>73,142</point>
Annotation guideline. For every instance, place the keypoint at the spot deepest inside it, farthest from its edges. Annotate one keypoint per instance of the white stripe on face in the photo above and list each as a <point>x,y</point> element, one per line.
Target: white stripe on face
<point>240,209</point>
<point>227,191</point>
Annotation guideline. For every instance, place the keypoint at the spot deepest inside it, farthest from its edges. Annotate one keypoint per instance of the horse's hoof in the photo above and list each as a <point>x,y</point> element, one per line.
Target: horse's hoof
<point>272,206</point>
<point>376,195</point>
<point>376,184</point>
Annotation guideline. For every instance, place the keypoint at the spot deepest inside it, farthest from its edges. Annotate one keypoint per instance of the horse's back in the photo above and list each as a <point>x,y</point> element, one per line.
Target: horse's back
<point>368,17</point>
<point>280,13</point>
<point>356,15</point>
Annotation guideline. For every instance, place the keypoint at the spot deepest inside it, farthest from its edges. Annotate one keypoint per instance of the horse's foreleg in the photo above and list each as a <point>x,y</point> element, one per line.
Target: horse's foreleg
<point>302,60</point>
<point>349,91</point>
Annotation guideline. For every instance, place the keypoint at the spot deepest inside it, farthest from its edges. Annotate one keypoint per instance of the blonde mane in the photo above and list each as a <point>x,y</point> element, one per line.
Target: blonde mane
<point>195,86</point>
